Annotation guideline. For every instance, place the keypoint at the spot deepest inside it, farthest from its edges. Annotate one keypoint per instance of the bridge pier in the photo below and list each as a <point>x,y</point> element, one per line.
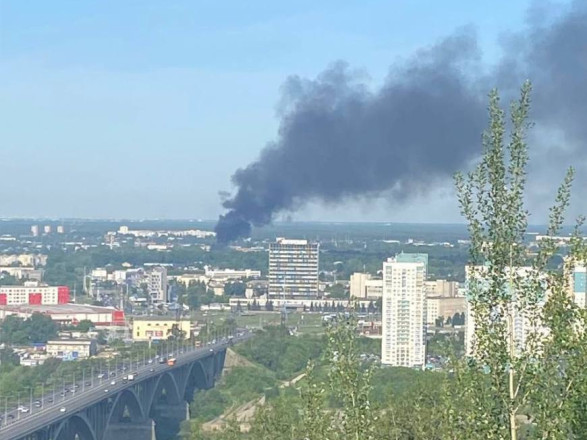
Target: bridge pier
<point>174,411</point>
<point>168,418</point>
<point>131,431</point>
<point>152,407</point>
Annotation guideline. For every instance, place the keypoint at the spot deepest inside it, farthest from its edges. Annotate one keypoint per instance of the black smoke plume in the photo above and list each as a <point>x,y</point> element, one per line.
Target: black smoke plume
<point>338,140</point>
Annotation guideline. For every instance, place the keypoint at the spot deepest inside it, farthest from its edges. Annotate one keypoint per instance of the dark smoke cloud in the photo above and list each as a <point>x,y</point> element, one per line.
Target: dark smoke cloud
<point>555,58</point>
<point>338,140</point>
<point>552,52</point>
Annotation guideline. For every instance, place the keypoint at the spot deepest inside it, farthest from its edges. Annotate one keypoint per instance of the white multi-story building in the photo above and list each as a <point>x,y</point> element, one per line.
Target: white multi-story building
<point>33,295</point>
<point>293,268</point>
<point>578,284</point>
<point>157,284</point>
<point>404,311</point>
<point>35,230</point>
<point>72,348</point>
<point>523,326</point>
<point>373,289</point>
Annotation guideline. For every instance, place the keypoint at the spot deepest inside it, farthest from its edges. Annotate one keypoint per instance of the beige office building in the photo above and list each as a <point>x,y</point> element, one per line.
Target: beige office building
<point>157,328</point>
<point>364,286</point>
<point>443,288</point>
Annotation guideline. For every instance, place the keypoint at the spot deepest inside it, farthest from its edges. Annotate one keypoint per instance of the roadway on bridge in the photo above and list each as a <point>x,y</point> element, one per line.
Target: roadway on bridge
<point>27,423</point>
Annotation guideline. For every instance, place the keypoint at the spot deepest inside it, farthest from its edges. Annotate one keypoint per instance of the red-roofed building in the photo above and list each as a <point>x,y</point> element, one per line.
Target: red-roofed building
<point>67,314</point>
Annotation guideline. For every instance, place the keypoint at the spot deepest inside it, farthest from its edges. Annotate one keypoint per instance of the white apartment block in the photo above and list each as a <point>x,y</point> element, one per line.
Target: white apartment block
<point>522,326</point>
<point>404,311</point>
<point>157,284</point>
<point>293,268</point>
<point>578,284</point>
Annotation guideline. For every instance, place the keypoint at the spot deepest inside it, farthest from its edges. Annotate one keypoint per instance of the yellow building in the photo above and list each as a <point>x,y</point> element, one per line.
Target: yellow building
<point>157,328</point>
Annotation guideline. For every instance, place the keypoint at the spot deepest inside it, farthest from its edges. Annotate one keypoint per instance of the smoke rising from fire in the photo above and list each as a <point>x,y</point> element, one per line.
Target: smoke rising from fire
<point>338,139</point>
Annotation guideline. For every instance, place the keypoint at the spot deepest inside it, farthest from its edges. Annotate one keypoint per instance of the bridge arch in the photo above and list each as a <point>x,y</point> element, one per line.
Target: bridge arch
<point>197,380</point>
<point>126,407</point>
<point>167,388</point>
<point>76,425</point>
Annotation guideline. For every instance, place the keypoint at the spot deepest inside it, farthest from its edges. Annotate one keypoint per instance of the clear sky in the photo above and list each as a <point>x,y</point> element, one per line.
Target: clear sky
<point>144,109</point>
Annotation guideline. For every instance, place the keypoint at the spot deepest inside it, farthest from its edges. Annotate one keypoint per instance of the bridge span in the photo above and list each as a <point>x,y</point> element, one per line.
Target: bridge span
<point>149,407</point>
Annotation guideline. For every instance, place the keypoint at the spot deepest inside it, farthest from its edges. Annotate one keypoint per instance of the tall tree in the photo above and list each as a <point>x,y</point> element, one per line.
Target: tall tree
<point>515,373</point>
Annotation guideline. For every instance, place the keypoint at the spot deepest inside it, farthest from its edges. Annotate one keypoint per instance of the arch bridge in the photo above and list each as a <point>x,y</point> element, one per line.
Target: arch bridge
<point>152,406</point>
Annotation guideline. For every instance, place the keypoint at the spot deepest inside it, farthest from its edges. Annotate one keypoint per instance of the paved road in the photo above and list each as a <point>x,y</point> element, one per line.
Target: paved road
<point>61,407</point>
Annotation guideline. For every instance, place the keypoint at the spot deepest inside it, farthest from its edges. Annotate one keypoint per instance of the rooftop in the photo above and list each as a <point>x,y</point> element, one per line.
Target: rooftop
<point>59,308</point>
<point>157,318</point>
<point>281,240</point>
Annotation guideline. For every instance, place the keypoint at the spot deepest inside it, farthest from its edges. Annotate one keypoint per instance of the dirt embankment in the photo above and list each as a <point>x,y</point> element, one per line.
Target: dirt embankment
<point>245,412</point>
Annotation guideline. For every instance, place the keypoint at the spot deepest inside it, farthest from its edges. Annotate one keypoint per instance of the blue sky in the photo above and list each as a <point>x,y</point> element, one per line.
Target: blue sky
<point>144,109</point>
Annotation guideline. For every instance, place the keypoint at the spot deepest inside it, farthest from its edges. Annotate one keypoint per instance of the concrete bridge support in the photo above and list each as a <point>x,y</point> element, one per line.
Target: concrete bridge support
<point>151,407</point>
<point>168,418</point>
<point>131,431</point>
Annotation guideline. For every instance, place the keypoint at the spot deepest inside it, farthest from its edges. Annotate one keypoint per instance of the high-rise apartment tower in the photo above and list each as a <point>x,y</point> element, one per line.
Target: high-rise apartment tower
<point>404,311</point>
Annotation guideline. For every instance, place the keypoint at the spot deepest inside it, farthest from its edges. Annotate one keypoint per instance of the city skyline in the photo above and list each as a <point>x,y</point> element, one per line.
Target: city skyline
<point>116,124</point>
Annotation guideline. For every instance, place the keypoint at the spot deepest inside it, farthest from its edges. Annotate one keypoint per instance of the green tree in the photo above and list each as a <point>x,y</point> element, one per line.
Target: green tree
<point>236,288</point>
<point>516,381</point>
<point>85,325</point>
<point>40,328</point>
<point>349,381</point>
<point>19,331</point>
<point>337,291</point>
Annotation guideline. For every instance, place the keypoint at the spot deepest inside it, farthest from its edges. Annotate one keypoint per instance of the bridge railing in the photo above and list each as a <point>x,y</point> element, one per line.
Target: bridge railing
<point>23,408</point>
